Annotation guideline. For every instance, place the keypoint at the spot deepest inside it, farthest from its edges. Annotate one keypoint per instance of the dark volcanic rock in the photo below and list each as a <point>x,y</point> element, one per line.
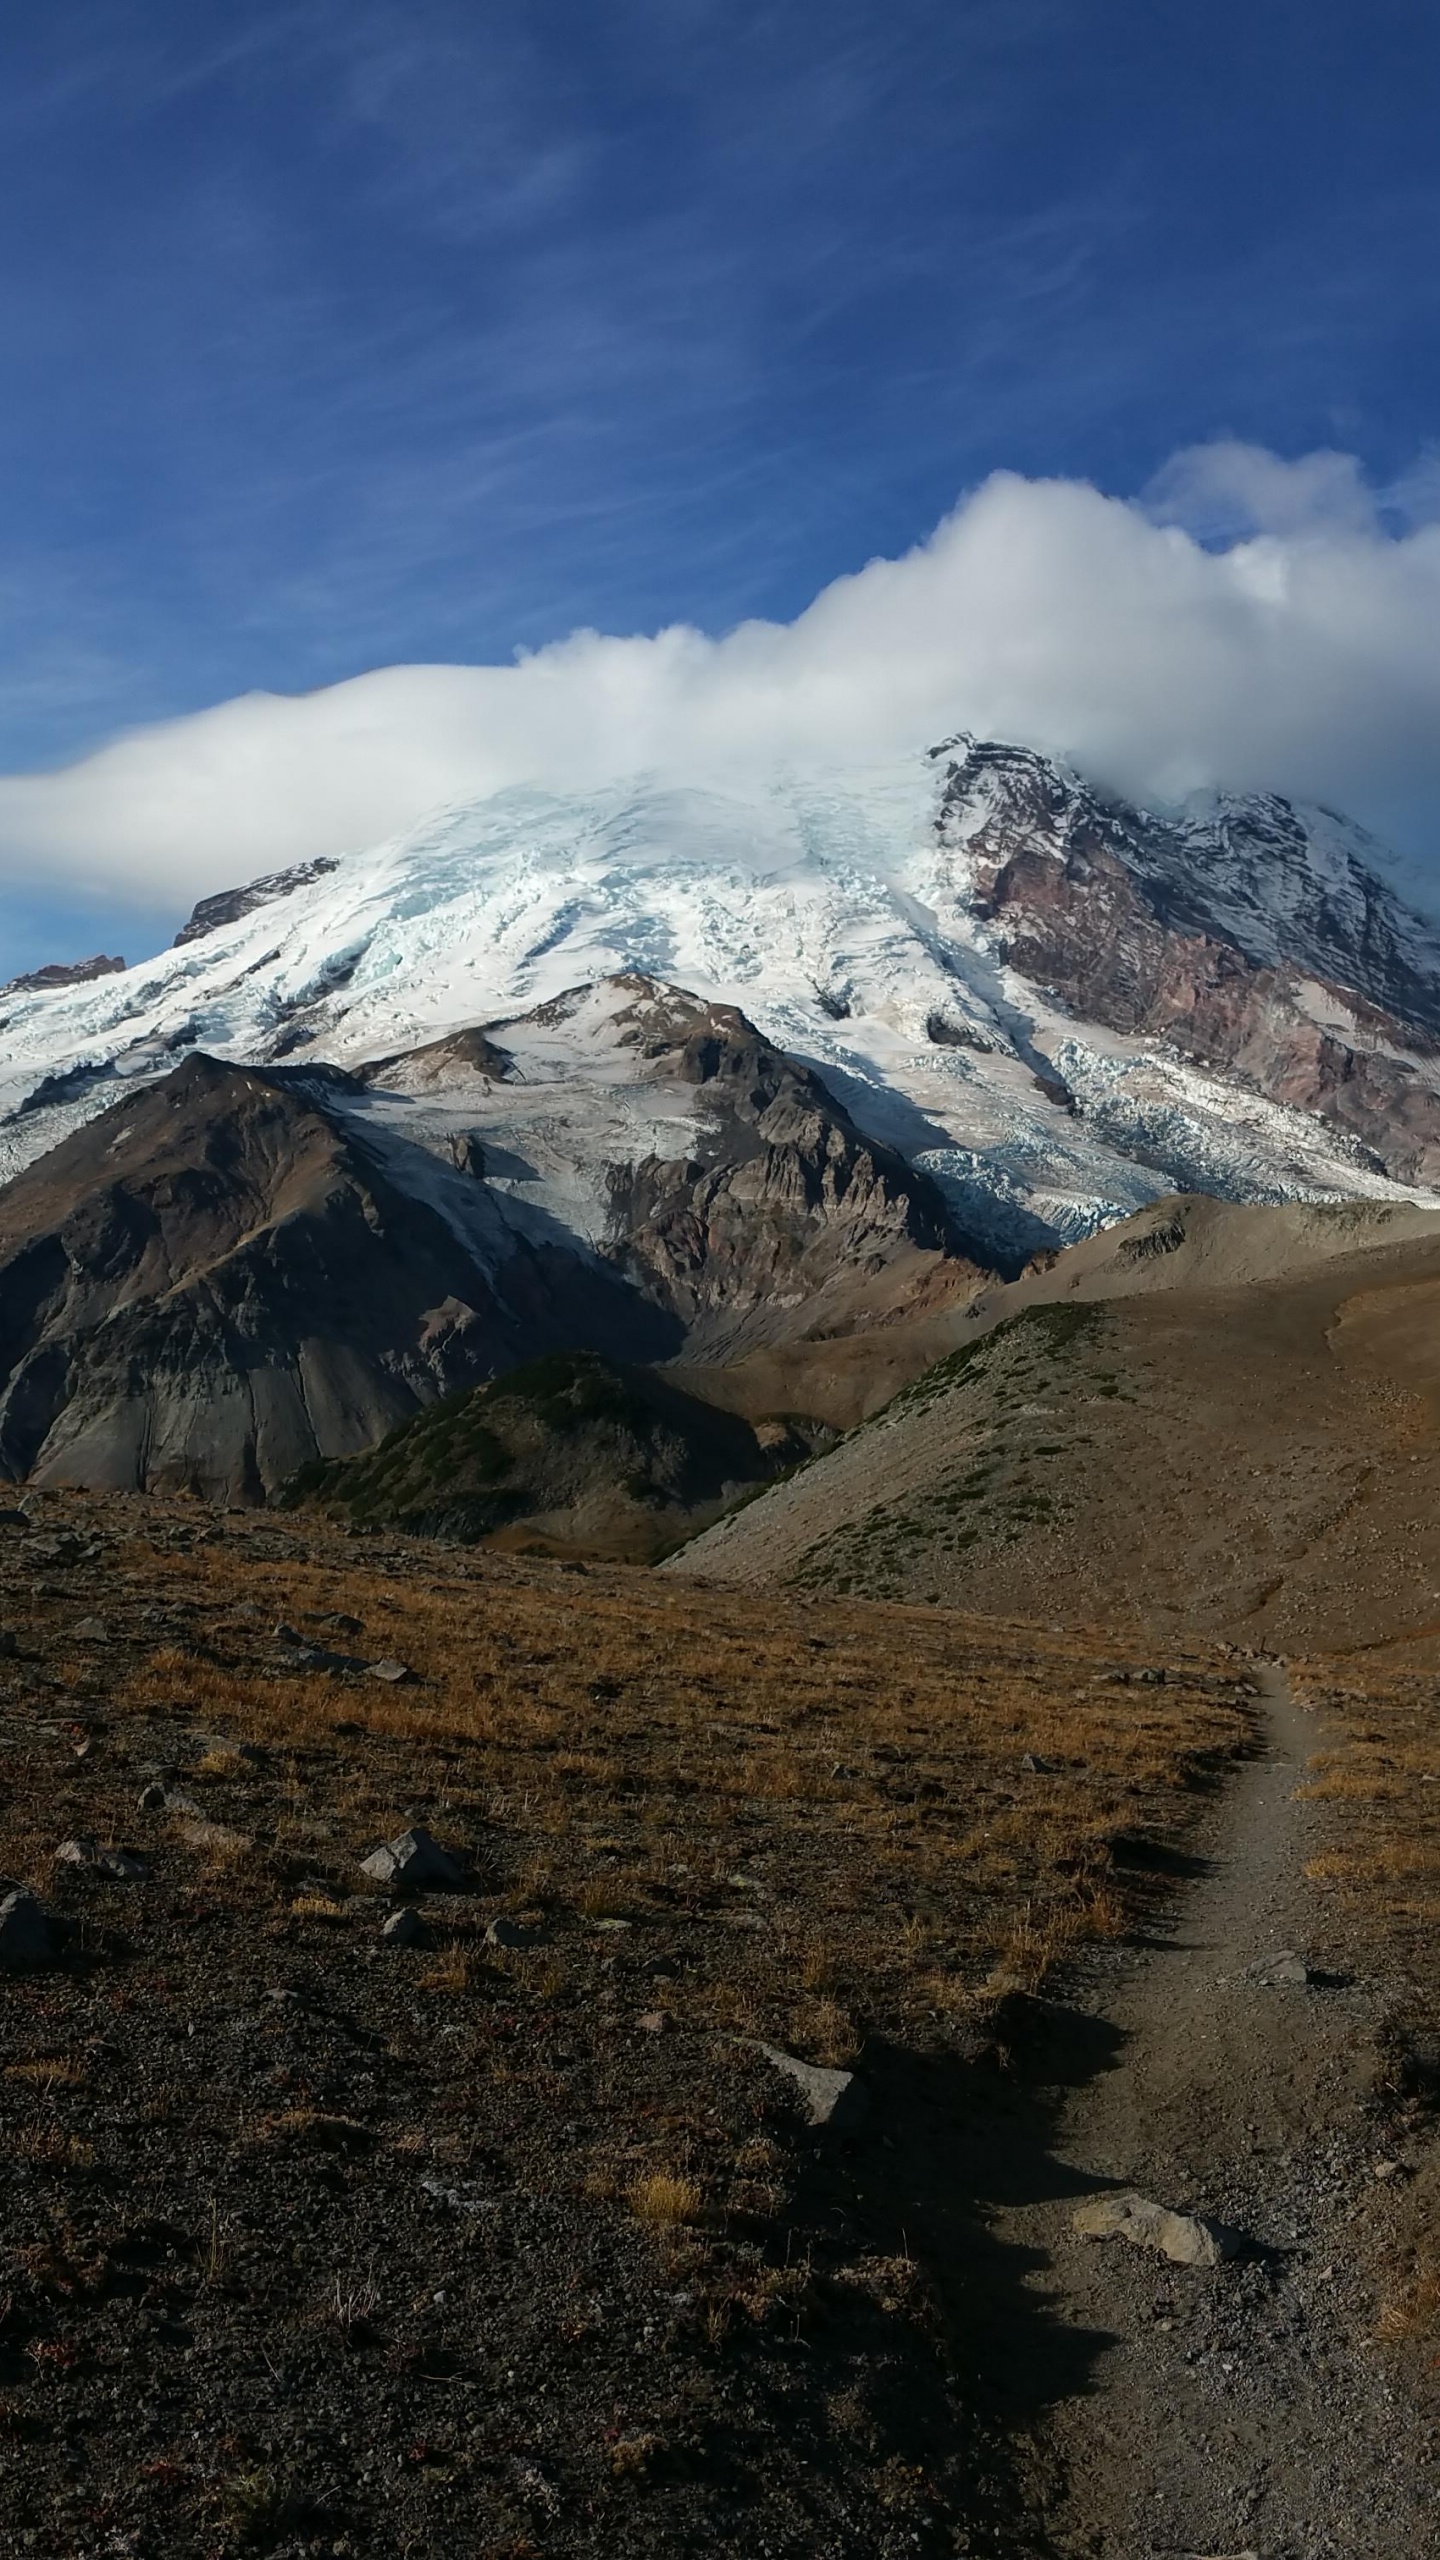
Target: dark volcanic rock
<point>62,973</point>
<point>228,905</point>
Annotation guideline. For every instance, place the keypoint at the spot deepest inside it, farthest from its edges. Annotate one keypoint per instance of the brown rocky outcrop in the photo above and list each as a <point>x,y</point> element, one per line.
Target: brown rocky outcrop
<point>1220,936</point>
<point>782,1198</point>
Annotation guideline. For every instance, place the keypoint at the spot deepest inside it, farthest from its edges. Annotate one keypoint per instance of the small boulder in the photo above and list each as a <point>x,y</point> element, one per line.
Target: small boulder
<point>513,1933</point>
<point>405,1928</point>
<point>27,1933</point>
<point>394,1672</point>
<point>835,2100</point>
<point>152,1798</point>
<point>90,1631</point>
<point>1186,2239</point>
<point>121,1866</point>
<point>412,1863</point>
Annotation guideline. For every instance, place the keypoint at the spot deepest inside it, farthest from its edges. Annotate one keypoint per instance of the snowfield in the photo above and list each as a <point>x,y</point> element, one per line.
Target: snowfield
<point>829,908</point>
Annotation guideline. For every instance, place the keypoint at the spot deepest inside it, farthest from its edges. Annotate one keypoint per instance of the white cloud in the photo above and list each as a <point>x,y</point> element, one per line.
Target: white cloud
<point>1251,623</point>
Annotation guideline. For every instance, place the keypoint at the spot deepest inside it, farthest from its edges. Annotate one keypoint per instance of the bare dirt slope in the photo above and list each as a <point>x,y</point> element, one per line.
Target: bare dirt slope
<point>1221,1418</point>
<point>1248,2407</point>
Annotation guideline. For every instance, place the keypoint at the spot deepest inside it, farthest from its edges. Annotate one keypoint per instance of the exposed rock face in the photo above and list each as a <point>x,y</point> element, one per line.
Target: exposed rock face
<point>782,1195</point>
<point>1242,938</point>
<point>238,1270</point>
<point>215,1282</point>
<point>62,973</point>
<point>227,906</point>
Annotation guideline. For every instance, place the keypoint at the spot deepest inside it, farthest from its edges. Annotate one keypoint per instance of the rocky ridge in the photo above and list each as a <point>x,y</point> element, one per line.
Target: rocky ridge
<point>240,1269</point>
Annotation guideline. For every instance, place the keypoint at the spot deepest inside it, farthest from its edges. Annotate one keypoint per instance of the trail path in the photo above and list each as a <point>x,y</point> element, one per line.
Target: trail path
<point>1241,2410</point>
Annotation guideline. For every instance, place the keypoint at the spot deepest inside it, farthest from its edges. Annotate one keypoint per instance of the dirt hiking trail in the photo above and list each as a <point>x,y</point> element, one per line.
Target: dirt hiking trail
<point>1242,2409</point>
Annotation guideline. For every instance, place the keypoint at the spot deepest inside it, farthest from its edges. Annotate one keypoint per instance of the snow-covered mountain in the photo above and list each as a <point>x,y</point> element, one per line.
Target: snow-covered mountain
<point>1056,1007</point>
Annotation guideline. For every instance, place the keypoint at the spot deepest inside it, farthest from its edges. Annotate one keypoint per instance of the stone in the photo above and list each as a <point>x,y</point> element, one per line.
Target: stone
<point>121,1866</point>
<point>27,1933</point>
<point>835,2100</point>
<point>653,2022</point>
<point>513,1933</point>
<point>412,1862</point>
<point>1186,2239</point>
<point>90,1631</point>
<point>151,1799</point>
<point>1274,1971</point>
<point>395,1672</point>
<point>405,1928</point>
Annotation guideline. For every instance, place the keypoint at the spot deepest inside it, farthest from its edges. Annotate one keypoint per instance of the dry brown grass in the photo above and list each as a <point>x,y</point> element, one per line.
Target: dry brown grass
<point>665,2199</point>
<point>921,1807</point>
<point>1379,1776</point>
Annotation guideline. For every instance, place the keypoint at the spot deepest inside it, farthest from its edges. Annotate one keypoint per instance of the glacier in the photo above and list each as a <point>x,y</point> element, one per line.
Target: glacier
<point>834,908</point>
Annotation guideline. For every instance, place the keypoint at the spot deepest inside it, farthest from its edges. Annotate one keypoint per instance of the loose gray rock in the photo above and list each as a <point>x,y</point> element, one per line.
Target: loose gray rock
<point>512,1933</point>
<point>412,1862</point>
<point>405,1929</point>
<point>27,1933</point>
<point>394,1672</point>
<point>1186,2239</point>
<point>119,1866</point>
<point>1274,1971</point>
<point>152,1798</point>
<point>833,2099</point>
<point>90,1631</point>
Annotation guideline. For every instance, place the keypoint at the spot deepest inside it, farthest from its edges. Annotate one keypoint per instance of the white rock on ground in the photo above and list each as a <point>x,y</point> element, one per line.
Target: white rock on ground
<point>1187,2239</point>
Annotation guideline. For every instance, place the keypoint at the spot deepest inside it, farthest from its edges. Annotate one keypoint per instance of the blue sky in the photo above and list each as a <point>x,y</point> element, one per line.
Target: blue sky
<point>337,333</point>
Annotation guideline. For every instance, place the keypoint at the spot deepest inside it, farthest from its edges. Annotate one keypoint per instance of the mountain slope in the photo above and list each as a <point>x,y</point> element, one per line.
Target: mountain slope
<point>569,1452</point>
<point>1055,1008</point>
<point>1221,1415</point>
<point>239,1269</point>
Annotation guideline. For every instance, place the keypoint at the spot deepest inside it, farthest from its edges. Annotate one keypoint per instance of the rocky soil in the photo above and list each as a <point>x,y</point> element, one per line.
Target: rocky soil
<point>1233,2067</point>
<point>506,2230</point>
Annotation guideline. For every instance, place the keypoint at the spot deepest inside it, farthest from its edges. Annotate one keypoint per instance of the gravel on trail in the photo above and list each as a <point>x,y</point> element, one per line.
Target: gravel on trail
<point>1192,2410</point>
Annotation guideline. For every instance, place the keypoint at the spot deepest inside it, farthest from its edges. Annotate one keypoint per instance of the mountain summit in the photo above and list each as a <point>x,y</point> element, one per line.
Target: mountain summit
<point>671,1071</point>
<point>1055,1006</point>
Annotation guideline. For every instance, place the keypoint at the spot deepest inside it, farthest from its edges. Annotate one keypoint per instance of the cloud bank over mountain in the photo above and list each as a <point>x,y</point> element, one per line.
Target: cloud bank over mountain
<point>1248,623</point>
